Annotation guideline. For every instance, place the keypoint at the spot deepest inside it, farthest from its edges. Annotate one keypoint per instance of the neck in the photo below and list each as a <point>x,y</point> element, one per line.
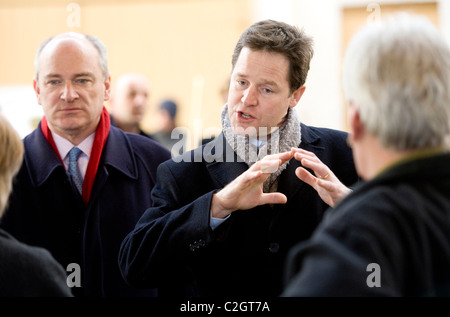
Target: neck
<point>371,158</point>
<point>74,138</point>
<point>128,127</point>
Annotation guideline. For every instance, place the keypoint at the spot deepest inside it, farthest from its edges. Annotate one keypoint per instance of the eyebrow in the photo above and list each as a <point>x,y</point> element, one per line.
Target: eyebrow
<point>263,82</point>
<point>85,74</point>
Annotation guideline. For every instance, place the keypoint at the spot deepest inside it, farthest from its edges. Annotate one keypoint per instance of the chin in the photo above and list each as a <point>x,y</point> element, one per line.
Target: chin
<point>69,124</point>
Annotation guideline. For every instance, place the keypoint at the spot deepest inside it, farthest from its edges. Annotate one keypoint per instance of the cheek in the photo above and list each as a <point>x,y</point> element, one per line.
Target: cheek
<point>48,97</point>
<point>233,96</point>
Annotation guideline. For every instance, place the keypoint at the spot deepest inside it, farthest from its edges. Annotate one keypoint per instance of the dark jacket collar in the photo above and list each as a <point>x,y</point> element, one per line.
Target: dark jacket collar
<point>432,167</point>
<point>427,169</point>
<point>218,152</point>
<point>42,161</point>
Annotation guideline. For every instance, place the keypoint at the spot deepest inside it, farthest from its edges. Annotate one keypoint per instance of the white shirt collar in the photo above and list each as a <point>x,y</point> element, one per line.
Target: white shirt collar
<point>256,142</point>
<point>64,146</point>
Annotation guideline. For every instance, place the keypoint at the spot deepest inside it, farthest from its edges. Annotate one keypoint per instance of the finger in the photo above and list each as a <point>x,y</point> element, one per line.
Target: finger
<point>273,198</point>
<point>250,177</point>
<point>299,157</point>
<point>306,176</point>
<point>304,153</point>
<point>329,186</point>
<point>266,166</point>
<point>320,169</point>
<point>286,156</point>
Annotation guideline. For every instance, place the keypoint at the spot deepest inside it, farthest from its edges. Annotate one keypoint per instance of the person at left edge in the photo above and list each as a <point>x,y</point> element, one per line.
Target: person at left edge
<point>71,84</point>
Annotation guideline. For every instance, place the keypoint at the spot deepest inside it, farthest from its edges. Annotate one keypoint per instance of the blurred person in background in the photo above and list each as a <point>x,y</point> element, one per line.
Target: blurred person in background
<point>166,121</point>
<point>129,102</point>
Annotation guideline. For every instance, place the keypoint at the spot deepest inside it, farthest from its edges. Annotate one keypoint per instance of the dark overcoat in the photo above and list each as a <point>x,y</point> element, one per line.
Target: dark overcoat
<point>174,248</point>
<point>390,237</point>
<point>45,211</point>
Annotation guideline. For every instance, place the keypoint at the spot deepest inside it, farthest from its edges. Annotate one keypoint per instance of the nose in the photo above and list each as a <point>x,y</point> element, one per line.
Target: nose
<point>69,94</point>
<point>140,100</point>
<point>249,98</point>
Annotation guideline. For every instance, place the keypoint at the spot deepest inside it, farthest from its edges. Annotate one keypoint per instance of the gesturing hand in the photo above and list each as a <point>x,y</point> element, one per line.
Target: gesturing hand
<point>327,185</point>
<point>246,191</point>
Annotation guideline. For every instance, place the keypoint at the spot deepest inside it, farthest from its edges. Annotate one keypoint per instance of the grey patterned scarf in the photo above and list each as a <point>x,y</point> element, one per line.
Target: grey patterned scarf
<point>280,140</point>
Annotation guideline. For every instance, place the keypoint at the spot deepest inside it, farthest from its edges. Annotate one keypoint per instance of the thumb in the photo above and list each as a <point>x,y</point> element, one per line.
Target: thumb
<point>273,198</point>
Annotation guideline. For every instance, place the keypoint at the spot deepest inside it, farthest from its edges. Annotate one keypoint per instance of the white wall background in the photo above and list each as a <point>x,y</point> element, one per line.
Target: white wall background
<point>19,105</point>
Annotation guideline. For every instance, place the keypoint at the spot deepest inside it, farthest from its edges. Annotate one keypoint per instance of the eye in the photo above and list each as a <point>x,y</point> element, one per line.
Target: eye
<point>82,80</point>
<point>266,91</point>
<point>53,82</point>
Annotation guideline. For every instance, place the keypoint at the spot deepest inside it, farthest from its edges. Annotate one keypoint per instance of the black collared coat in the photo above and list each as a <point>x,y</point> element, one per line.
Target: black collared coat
<point>174,248</point>
<point>46,211</point>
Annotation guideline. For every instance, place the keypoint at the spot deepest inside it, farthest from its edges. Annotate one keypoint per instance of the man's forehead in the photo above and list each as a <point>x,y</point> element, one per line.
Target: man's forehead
<point>268,67</point>
<point>72,40</point>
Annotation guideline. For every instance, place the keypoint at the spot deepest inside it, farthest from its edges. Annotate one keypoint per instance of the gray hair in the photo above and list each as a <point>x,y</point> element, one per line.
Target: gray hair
<point>99,46</point>
<point>397,73</point>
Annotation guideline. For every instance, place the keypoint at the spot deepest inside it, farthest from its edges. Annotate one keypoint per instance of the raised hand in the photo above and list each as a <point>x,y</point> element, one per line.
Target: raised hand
<point>246,191</point>
<point>327,185</point>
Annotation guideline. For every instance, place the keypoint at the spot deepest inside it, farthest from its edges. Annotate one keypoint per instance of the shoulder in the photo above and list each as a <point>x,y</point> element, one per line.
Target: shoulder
<point>313,134</point>
<point>40,274</point>
<point>23,257</point>
<point>365,208</point>
<point>19,251</point>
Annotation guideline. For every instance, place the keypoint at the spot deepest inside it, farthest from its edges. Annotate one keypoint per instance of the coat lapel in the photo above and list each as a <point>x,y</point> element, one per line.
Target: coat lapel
<point>40,157</point>
<point>222,162</point>
<point>124,163</point>
<point>224,165</point>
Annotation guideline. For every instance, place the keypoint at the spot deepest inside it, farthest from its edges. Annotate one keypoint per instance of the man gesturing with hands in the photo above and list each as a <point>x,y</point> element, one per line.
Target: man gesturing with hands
<point>224,215</point>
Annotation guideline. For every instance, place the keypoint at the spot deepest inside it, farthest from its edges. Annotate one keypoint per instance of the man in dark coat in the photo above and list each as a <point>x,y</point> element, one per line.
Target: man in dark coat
<point>81,226</point>
<point>225,214</point>
<point>391,235</point>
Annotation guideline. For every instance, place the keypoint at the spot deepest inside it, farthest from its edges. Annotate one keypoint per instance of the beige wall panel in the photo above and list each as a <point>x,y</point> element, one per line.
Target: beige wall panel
<point>184,47</point>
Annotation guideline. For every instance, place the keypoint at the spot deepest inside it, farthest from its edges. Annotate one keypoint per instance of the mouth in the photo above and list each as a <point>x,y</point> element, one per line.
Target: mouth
<point>244,115</point>
<point>69,110</point>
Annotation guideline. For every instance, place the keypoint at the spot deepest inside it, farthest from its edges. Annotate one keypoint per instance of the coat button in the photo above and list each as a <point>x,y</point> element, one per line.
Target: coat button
<point>273,247</point>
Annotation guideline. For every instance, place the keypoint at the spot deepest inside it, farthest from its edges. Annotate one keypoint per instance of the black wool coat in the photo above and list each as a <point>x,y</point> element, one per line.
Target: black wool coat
<point>45,211</point>
<point>174,248</point>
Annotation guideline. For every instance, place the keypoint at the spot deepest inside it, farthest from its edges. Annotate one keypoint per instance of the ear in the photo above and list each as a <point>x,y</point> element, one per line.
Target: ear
<point>107,84</point>
<point>356,125</point>
<point>296,95</point>
<point>37,90</point>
